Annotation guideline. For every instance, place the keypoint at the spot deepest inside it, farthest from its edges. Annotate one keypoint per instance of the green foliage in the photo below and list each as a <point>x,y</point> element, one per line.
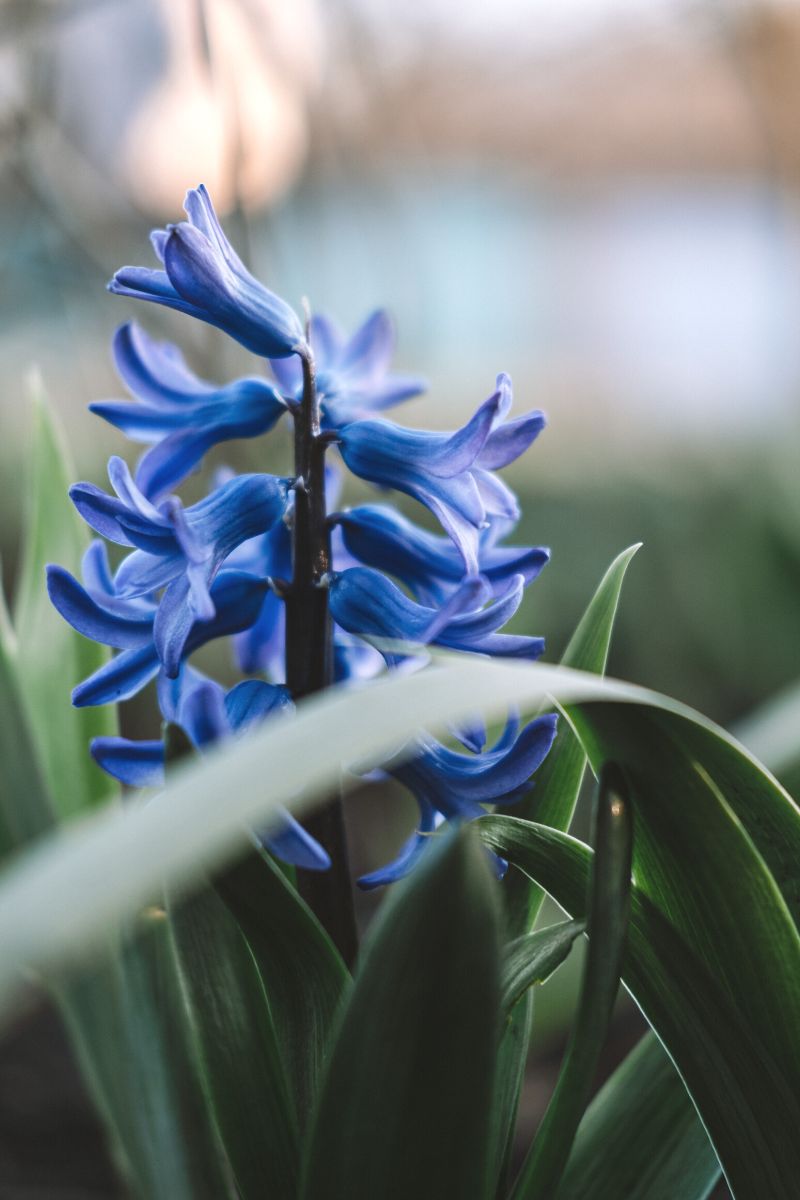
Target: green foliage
<point>51,657</point>
<point>532,958</point>
<point>608,905</point>
<point>640,1138</point>
<point>404,1108</point>
<point>303,976</point>
<point>242,1069</point>
<point>558,780</point>
<point>260,1063</point>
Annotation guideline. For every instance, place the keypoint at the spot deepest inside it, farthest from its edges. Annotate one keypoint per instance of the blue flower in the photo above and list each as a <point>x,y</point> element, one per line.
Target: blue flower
<point>127,623</point>
<point>450,473</point>
<point>353,376</point>
<point>209,715</point>
<point>448,785</point>
<point>365,602</point>
<point>182,415</point>
<point>180,550</point>
<point>205,278</point>
<point>431,566</point>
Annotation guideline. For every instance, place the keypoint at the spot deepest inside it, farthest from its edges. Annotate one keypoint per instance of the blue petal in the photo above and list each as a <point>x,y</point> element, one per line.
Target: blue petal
<point>136,764</point>
<point>205,278</point>
<point>410,852</point>
<point>364,602</point>
<point>511,440</point>
<point>155,371</point>
<point>430,565</point>
<point>229,297</point>
<point>202,713</point>
<point>119,679</point>
<point>166,465</point>
<point>252,701</point>
<point>83,613</point>
<point>293,844</point>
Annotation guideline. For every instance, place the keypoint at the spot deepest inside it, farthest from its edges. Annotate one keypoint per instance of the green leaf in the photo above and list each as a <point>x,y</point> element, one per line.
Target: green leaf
<point>51,656</point>
<point>641,1138</point>
<point>608,909</point>
<point>126,1021</point>
<point>404,1107</point>
<point>243,1071</point>
<point>25,806</point>
<point>302,972</point>
<point>552,802</point>
<point>534,957</point>
<point>717,845</point>
<point>744,1099</point>
<point>558,781</point>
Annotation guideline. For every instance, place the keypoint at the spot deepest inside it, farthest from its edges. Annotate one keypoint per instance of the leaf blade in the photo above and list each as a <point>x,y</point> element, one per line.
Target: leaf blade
<point>608,906</point>
<point>415,1052</point>
<point>641,1138</point>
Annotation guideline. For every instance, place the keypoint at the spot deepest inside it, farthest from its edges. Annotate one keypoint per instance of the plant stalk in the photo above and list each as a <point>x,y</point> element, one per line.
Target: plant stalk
<point>309,659</point>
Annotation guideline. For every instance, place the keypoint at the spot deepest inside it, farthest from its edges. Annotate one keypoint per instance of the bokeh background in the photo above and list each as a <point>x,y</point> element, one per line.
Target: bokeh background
<point>598,196</point>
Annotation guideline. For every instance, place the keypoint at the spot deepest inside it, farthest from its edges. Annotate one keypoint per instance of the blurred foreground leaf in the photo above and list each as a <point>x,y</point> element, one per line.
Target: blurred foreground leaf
<point>51,657</point>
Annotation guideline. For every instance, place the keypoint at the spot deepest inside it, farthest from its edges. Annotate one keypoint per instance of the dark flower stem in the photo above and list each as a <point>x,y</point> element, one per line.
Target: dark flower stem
<point>309,659</point>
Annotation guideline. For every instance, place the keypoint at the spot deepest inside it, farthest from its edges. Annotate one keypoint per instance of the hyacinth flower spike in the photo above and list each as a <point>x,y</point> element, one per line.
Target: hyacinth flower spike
<point>428,564</point>
<point>204,278</point>
<point>182,416</point>
<point>353,378</point>
<point>208,715</point>
<point>178,550</point>
<point>128,625</point>
<point>365,602</point>
<point>455,787</point>
<point>451,474</point>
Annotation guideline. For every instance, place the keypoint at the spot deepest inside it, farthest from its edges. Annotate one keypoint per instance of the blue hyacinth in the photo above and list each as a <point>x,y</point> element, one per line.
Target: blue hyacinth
<point>272,563</point>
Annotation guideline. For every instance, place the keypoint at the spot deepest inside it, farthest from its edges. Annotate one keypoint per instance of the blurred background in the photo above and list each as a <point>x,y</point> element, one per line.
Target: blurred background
<point>598,196</point>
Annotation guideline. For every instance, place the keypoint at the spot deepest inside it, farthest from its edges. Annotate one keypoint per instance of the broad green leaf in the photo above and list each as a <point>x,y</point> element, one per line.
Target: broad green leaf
<point>558,781</point>
<point>745,1100</point>
<point>243,1073</point>
<point>302,972</point>
<point>534,957</point>
<point>608,906</point>
<point>404,1106</point>
<point>641,1138</point>
<point>51,656</point>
